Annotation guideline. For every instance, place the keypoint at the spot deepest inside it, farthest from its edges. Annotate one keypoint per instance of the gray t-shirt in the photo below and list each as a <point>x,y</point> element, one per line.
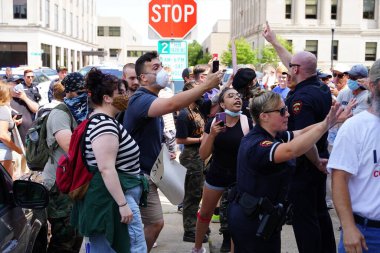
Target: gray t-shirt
<point>58,120</point>
<point>5,115</point>
<point>346,95</point>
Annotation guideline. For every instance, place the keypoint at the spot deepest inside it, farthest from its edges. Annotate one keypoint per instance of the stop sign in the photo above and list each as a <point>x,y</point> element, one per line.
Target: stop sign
<point>172,18</point>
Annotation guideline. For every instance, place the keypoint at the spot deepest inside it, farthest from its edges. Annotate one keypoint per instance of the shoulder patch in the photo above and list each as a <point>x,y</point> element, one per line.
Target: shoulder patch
<point>296,107</point>
<point>266,143</point>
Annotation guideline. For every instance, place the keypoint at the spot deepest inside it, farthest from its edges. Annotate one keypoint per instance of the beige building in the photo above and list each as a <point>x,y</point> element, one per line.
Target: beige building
<point>218,40</point>
<point>115,36</point>
<point>47,33</point>
<point>347,31</point>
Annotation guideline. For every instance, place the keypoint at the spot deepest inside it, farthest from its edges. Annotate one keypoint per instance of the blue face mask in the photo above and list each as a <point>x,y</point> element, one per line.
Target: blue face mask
<point>353,85</point>
<point>232,114</point>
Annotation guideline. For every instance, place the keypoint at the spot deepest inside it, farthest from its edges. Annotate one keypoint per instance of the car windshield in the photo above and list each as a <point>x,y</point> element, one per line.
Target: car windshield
<point>49,72</point>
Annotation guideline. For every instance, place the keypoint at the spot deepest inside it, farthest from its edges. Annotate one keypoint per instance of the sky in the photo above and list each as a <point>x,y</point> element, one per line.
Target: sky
<point>135,12</point>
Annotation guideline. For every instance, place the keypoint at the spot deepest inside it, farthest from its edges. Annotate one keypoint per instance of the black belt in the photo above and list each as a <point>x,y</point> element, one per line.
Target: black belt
<point>366,222</point>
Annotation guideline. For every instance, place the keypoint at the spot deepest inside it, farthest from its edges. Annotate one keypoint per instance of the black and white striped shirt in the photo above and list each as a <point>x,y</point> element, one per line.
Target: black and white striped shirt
<point>127,159</point>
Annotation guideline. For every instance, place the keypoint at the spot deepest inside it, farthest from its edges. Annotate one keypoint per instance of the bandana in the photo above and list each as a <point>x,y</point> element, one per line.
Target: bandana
<point>73,82</point>
<point>78,107</point>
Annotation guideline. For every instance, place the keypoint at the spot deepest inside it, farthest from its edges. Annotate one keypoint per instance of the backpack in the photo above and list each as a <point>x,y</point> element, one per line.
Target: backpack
<point>37,150</point>
<point>73,175</point>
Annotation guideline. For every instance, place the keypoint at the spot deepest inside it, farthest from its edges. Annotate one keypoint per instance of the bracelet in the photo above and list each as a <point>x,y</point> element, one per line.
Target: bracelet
<point>123,204</point>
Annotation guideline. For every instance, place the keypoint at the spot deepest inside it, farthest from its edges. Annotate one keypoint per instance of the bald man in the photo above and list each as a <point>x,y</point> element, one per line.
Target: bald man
<point>308,102</point>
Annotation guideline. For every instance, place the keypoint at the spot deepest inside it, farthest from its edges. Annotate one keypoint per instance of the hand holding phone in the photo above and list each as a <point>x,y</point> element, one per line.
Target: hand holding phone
<point>18,116</point>
<point>221,116</point>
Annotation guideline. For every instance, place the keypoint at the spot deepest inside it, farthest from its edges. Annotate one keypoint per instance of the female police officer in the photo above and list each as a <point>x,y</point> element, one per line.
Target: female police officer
<point>258,208</point>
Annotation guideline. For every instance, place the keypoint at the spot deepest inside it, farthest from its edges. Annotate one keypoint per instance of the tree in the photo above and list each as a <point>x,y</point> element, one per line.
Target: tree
<point>244,53</point>
<point>196,55</point>
<point>269,54</point>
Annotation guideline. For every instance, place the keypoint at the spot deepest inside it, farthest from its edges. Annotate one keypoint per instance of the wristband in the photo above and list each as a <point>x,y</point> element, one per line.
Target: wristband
<point>123,204</point>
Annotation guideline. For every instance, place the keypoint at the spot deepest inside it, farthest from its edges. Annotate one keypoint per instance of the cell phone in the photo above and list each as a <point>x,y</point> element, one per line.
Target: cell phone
<point>18,116</point>
<point>221,116</point>
<point>215,66</point>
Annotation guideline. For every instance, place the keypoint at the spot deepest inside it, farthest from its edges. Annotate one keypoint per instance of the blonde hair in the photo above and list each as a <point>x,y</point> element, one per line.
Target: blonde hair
<point>59,91</point>
<point>263,101</point>
<point>5,93</point>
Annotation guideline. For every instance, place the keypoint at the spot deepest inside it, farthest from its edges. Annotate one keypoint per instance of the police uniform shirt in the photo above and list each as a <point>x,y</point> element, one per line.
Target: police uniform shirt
<point>309,103</point>
<point>20,106</point>
<point>257,172</point>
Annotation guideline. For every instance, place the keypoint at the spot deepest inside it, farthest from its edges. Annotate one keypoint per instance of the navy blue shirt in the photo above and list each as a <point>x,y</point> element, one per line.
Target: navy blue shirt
<point>257,174</point>
<point>146,131</point>
<point>309,103</point>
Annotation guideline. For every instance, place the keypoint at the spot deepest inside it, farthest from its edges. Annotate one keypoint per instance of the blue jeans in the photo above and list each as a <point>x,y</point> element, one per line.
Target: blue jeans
<point>99,243</point>
<point>372,238</point>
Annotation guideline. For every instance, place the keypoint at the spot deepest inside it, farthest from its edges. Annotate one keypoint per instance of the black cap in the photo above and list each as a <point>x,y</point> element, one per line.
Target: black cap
<point>243,78</point>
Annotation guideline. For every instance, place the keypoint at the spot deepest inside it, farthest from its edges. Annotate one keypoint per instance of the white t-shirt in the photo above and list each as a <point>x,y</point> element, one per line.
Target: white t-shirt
<point>357,151</point>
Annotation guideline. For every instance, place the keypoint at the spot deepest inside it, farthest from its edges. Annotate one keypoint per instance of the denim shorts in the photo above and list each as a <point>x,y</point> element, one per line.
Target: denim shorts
<point>5,152</point>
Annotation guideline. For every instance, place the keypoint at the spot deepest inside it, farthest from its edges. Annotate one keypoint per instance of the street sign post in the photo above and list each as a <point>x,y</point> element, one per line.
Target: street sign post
<point>173,54</point>
<point>172,18</point>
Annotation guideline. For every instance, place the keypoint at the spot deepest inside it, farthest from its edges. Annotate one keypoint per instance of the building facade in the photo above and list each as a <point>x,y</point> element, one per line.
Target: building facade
<point>334,30</point>
<point>218,40</point>
<point>115,36</point>
<point>48,33</point>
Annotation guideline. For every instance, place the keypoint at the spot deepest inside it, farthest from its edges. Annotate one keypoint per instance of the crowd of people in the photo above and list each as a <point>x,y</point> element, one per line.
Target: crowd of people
<point>256,148</point>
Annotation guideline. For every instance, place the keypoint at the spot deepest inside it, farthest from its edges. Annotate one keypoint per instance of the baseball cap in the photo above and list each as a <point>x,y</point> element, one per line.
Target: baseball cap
<point>243,77</point>
<point>374,72</point>
<point>324,73</point>
<point>61,68</point>
<point>358,70</point>
<point>187,72</point>
<point>73,82</point>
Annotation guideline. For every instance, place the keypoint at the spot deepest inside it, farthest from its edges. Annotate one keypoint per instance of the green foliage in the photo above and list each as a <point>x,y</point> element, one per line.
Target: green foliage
<point>244,53</point>
<point>269,54</point>
<point>196,55</point>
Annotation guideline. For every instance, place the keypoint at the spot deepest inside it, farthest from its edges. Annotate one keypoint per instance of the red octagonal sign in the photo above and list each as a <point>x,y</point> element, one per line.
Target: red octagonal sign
<point>172,18</point>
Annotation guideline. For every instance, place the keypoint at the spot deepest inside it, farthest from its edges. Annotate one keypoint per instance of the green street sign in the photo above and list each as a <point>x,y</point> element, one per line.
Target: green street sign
<point>173,54</point>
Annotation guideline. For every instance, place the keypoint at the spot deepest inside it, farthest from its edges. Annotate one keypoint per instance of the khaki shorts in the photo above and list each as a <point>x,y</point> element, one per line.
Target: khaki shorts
<point>153,212</point>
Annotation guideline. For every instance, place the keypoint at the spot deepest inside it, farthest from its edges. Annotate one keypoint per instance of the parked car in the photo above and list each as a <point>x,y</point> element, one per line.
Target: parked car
<point>52,74</point>
<point>23,222</point>
<point>113,70</point>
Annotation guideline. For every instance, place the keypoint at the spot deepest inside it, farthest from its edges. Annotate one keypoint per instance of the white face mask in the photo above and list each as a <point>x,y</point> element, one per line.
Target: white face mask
<point>162,78</point>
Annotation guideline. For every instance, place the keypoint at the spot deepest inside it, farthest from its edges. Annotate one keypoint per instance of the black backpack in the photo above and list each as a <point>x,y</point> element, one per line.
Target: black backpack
<point>37,150</point>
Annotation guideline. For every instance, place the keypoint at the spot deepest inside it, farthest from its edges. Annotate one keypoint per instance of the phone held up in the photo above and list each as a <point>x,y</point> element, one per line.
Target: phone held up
<point>221,116</point>
<point>215,63</point>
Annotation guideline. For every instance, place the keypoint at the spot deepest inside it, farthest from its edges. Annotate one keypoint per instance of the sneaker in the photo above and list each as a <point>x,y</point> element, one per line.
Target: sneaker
<point>215,218</point>
<point>155,245</point>
<point>201,250</point>
<point>190,237</point>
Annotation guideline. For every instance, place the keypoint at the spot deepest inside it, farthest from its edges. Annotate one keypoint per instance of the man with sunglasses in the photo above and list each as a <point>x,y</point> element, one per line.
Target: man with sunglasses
<point>309,101</point>
<point>340,78</point>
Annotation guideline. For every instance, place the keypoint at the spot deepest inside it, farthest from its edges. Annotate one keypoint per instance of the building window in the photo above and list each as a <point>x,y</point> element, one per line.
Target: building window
<point>64,21</point>
<point>288,9</point>
<point>100,30</point>
<point>335,50</point>
<point>370,51</point>
<point>369,9</point>
<point>334,8</point>
<point>311,9</point>
<point>312,47</point>
<point>114,31</point>
<point>13,53</point>
<point>113,52</point>
<point>65,55</point>
<point>20,9</point>
<point>46,55</point>
<point>57,57</point>
<point>56,17</point>
<point>47,13</point>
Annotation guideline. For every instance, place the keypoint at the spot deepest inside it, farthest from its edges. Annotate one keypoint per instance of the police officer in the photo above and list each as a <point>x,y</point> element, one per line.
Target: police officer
<point>264,169</point>
<point>308,101</point>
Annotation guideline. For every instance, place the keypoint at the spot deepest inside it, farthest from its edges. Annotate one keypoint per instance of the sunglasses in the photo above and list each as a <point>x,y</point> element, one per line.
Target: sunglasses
<point>338,75</point>
<point>293,65</point>
<point>282,111</point>
<point>29,76</point>
<point>353,78</point>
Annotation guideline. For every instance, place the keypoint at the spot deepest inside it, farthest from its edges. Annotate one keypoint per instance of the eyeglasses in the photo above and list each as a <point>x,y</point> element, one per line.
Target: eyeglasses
<point>29,76</point>
<point>293,65</point>
<point>338,75</point>
<point>282,111</point>
<point>233,95</point>
<point>353,78</point>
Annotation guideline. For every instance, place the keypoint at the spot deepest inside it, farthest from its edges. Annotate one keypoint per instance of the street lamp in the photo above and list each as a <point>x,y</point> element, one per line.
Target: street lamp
<point>332,45</point>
